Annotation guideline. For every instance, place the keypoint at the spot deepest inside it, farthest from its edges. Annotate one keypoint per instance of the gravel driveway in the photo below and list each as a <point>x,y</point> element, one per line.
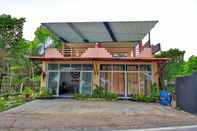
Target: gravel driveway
<point>64,114</point>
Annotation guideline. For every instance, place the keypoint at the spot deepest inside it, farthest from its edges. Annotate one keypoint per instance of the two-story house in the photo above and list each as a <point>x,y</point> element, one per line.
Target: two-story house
<point>109,54</point>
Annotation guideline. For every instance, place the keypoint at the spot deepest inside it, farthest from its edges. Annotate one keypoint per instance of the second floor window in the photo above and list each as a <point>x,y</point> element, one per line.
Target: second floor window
<point>120,54</point>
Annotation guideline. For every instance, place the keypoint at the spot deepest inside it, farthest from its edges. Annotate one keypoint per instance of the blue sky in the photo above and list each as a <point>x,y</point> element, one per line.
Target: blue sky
<point>177,27</point>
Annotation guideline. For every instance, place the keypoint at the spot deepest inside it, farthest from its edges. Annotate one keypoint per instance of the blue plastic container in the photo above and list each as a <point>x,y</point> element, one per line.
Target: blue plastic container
<point>165,98</point>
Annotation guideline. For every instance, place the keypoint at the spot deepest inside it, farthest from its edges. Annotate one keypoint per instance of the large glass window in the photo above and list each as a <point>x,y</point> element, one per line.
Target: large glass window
<point>52,66</point>
<point>126,80</point>
<point>118,67</point>
<point>119,83</point>
<point>76,66</point>
<point>105,67</point>
<point>132,83</point>
<point>106,80</point>
<point>87,67</point>
<point>86,83</point>
<point>132,67</point>
<point>64,67</point>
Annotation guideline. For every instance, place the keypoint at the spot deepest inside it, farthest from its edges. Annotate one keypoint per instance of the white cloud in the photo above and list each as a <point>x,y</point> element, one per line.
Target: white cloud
<point>177,18</point>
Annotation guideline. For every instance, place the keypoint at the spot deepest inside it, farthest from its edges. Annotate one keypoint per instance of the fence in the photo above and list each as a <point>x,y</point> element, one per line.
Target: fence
<point>186,93</point>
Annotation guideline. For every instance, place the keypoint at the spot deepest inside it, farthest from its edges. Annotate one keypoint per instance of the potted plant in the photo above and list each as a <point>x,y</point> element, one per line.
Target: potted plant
<point>28,93</point>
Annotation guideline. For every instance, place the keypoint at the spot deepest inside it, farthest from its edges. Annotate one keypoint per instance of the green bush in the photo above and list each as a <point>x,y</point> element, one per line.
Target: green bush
<point>154,92</point>
<point>153,97</point>
<point>110,96</point>
<point>28,90</point>
<point>10,102</point>
<point>99,93</point>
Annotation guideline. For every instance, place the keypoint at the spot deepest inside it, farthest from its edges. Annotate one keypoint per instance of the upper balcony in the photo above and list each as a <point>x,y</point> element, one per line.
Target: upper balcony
<point>114,49</point>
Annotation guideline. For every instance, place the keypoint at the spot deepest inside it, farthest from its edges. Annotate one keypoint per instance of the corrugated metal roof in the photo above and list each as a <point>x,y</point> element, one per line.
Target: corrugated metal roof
<point>101,31</point>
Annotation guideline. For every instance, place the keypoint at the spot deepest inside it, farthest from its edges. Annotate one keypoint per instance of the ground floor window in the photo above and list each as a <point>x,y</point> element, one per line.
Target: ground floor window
<point>65,79</point>
<point>126,80</point>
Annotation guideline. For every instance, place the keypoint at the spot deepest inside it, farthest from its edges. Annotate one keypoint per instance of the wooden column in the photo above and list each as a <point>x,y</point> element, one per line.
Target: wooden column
<point>43,76</point>
<point>155,73</point>
<point>96,71</point>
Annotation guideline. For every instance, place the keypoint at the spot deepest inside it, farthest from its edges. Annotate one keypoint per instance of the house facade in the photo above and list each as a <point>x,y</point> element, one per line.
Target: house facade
<point>108,54</point>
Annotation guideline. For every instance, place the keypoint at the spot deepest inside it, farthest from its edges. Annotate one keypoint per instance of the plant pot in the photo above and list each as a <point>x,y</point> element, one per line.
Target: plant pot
<point>28,97</point>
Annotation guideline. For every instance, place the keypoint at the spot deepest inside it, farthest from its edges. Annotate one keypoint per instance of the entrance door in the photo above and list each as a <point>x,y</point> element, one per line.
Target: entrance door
<point>53,79</point>
<point>69,82</point>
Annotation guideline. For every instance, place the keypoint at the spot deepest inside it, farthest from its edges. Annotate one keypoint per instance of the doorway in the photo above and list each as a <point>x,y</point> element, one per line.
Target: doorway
<point>69,83</point>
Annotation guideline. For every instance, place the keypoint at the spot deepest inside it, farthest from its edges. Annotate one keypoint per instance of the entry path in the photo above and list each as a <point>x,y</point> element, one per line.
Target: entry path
<point>66,114</point>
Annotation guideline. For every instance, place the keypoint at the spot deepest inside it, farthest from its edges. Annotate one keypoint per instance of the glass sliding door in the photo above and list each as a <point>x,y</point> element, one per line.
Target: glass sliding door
<point>106,77</point>
<point>86,79</point>
<point>86,83</point>
<point>133,83</point>
<point>53,82</point>
<point>106,80</point>
<point>119,79</point>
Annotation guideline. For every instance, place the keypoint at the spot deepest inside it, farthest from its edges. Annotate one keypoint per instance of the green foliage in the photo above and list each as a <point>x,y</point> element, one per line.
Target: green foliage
<point>28,90</point>
<point>191,65</point>
<point>10,101</point>
<point>171,89</point>
<point>41,36</point>
<point>11,30</point>
<point>176,55</point>
<point>154,92</point>
<point>99,93</point>
<point>153,97</point>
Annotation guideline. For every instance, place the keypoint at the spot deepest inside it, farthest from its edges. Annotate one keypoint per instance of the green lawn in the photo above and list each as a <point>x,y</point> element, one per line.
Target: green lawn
<point>7,102</point>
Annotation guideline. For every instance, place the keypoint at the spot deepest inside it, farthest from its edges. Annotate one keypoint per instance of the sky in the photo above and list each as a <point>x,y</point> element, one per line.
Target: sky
<point>177,27</point>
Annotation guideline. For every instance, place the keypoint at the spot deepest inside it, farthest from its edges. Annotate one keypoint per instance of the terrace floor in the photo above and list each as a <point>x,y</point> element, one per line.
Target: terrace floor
<point>67,114</point>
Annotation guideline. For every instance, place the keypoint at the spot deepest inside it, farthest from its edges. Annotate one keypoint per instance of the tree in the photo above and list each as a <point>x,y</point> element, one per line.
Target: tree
<point>174,67</point>
<point>190,66</point>
<point>176,55</point>
<point>11,30</point>
<point>43,39</point>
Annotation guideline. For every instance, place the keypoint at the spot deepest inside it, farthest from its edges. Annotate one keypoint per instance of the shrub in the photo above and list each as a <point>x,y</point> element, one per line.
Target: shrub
<point>153,97</point>
<point>27,90</point>
<point>154,92</point>
<point>99,93</point>
<point>110,96</point>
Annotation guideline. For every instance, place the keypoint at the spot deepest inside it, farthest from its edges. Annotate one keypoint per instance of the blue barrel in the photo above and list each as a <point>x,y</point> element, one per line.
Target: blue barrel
<point>165,98</point>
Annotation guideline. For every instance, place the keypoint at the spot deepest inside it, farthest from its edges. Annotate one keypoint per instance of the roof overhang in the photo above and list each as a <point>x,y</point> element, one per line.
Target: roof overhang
<point>40,58</point>
<point>91,32</point>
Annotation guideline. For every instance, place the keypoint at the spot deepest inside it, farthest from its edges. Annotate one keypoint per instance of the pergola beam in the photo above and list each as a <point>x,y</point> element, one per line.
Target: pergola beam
<point>109,30</point>
<point>77,32</point>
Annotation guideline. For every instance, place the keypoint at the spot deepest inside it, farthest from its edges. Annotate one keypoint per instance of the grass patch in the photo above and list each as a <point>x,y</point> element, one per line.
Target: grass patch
<point>9,101</point>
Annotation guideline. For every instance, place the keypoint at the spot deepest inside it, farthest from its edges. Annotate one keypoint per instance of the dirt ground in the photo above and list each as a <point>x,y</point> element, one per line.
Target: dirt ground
<point>66,114</point>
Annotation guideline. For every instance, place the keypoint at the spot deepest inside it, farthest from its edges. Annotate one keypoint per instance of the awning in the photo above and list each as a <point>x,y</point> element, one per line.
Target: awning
<point>127,31</point>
